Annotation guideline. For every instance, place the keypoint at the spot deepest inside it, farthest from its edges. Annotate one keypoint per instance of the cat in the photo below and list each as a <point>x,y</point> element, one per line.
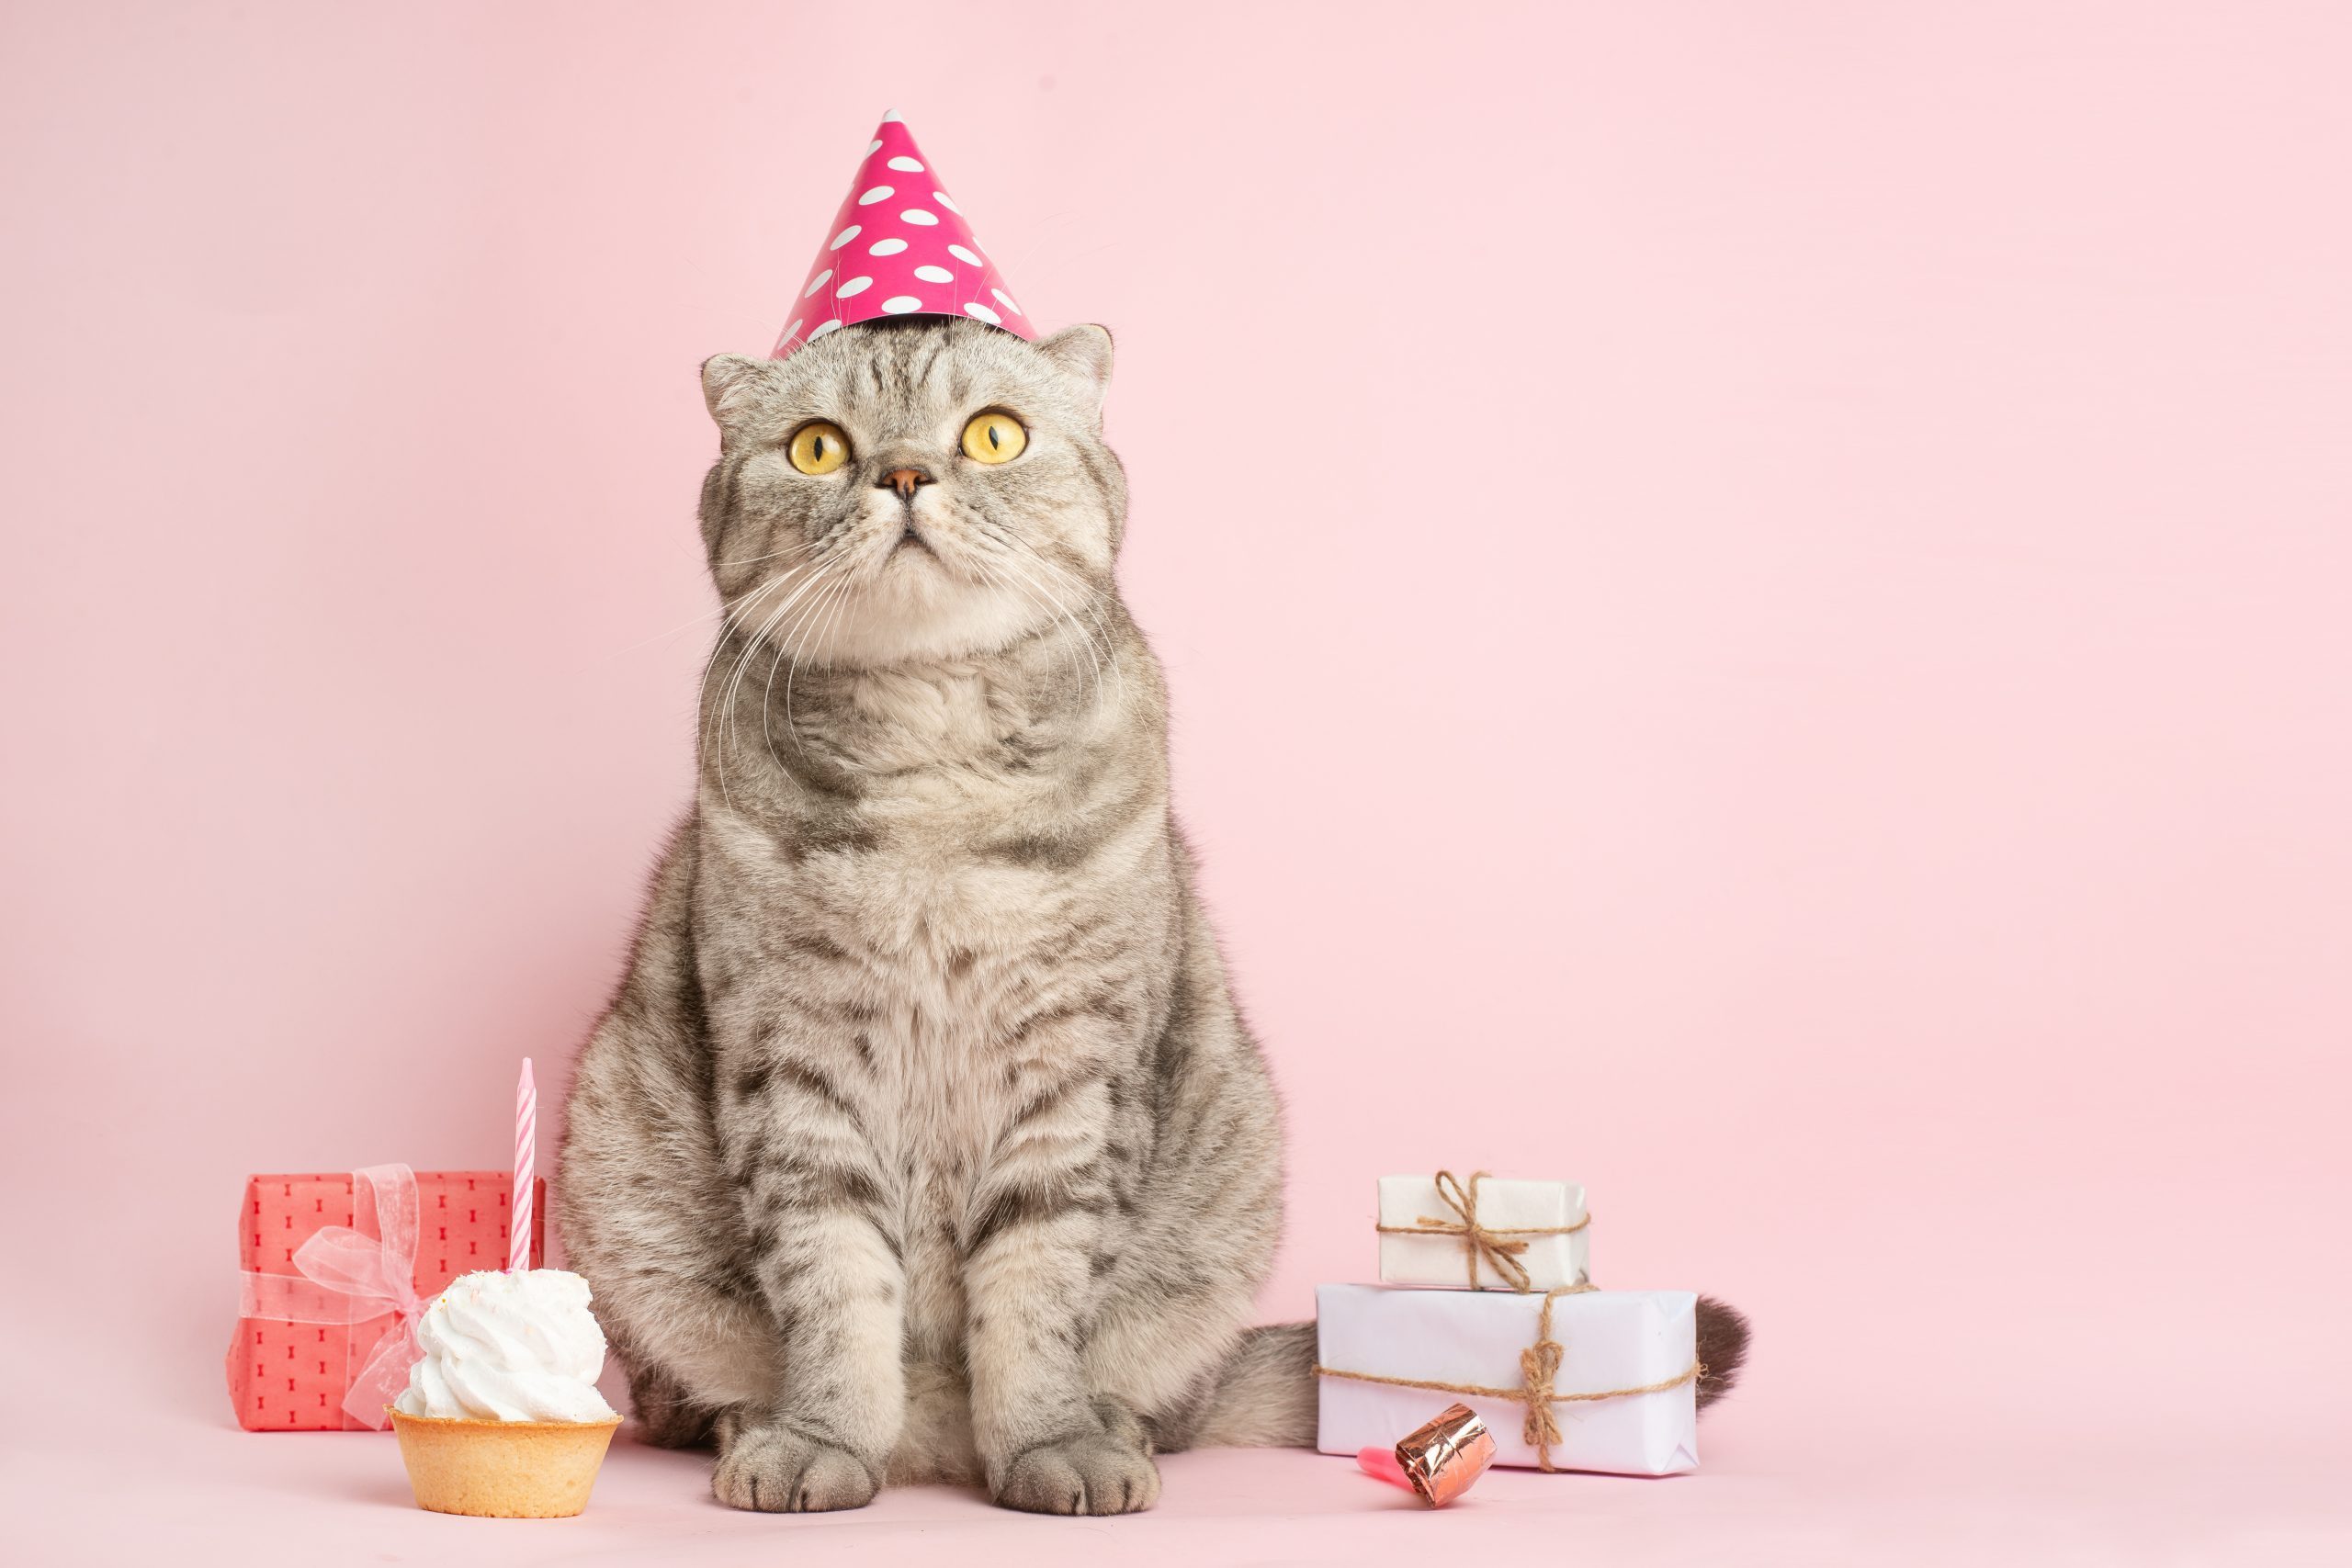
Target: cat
<point>922,1140</point>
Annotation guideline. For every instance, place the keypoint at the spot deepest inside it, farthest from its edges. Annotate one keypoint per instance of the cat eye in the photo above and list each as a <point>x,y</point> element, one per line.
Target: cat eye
<point>818,447</point>
<point>994,438</point>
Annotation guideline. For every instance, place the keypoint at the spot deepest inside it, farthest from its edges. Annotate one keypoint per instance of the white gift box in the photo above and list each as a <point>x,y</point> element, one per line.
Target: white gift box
<point>1609,1340</point>
<point>1416,1247</point>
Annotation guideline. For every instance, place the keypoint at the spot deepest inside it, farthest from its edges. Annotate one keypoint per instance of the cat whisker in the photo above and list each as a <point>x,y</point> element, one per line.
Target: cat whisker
<point>1089,596</point>
<point>1003,583</point>
<point>666,636</point>
<point>1060,615</point>
<point>1007,548</point>
<point>725,718</point>
<point>839,594</point>
<point>728,688</point>
<point>754,560</point>
<point>824,640</point>
<point>725,608</point>
<point>801,610</point>
<point>733,616</point>
<point>767,698</point>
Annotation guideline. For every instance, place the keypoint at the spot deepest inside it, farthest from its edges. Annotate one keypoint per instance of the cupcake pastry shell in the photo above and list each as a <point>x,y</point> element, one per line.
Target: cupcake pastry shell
<point>503,1470</point>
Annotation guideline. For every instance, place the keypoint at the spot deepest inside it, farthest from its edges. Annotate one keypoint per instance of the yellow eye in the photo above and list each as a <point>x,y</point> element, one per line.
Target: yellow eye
<point>994,438</point>
<point>818,447</point>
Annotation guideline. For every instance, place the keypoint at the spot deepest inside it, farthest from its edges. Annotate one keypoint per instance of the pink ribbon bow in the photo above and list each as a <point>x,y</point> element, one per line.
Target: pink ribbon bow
<point>350,1278</point>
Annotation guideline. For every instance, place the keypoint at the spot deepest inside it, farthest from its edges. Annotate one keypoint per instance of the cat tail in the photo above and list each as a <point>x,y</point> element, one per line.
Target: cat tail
<point>1265,1396</point>
<point>1722,1348</point>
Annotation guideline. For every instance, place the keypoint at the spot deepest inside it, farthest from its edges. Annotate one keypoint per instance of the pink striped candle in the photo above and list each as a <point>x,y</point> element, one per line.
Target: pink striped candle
<point>526,1116</point>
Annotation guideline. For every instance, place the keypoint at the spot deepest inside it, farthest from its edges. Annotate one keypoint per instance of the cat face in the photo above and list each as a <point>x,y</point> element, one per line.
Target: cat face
<point>915,490</point>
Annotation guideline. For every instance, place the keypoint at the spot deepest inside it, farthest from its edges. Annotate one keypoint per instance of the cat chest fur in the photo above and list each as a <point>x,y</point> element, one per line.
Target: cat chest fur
<point>937,996</point>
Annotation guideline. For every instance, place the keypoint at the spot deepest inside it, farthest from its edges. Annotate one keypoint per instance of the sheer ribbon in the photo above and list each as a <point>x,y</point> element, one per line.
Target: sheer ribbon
<point>348,1278</point>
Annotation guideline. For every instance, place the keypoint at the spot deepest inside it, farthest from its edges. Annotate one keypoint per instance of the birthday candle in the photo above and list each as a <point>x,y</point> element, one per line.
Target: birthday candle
<point>527,1114</point>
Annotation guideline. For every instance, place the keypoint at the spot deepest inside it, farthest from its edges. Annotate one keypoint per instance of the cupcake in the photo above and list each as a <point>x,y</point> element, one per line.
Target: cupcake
<point>502,1417</point>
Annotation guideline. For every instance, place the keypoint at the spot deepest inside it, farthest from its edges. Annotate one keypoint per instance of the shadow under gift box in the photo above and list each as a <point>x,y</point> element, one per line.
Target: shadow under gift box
<point>1462,1339</point>
<point>292,1377</point>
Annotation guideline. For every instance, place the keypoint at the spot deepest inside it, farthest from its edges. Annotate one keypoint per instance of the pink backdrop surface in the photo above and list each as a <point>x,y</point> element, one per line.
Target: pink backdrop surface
<point>1759,601</point>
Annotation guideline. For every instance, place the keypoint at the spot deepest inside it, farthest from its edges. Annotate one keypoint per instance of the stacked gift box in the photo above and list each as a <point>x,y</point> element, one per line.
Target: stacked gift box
<point>1485,1301</point>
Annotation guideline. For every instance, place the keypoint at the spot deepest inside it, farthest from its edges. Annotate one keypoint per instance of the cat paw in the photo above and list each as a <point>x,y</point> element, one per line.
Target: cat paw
<point>1097,1472</point>
<point>773,1469</point>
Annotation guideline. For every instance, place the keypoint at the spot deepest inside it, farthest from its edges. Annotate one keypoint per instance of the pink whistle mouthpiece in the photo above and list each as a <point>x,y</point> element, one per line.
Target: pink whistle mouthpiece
<point>1381,1465</point>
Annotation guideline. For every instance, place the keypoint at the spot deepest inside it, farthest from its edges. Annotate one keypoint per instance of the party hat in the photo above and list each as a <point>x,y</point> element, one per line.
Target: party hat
<point>898,247</point>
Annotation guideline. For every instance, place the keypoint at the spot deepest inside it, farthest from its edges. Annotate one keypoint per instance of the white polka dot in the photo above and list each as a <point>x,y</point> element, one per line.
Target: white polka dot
<point>899,304</point>
<point>890,119</point>
<point>918,217</point>
<point>875,147</point>
<point>886,247</point>
<point>816,282</point>
<point>790,332</point>
<point>934,275</point>
<point>854,286</point>
<point>843,237</point>
<point>940,197</point>
<point>961,254</point>
<point>1006,301</point>
<point>879,193</point>
<point>982,312</point>
<point>905,165</point>
<point>822,329</point>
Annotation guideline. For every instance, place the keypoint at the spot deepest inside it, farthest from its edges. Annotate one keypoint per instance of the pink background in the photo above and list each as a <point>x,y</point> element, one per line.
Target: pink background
<point>1759,601</point>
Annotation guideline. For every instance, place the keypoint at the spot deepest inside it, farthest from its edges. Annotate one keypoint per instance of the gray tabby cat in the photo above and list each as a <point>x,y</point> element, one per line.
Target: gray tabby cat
<point>924,1140</point>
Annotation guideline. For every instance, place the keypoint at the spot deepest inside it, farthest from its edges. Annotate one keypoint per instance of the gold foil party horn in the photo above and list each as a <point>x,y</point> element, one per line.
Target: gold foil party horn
<point>1442,1458</point>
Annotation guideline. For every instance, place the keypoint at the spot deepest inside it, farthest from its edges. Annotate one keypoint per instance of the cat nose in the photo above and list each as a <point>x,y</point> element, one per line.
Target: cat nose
<point>903,480</point>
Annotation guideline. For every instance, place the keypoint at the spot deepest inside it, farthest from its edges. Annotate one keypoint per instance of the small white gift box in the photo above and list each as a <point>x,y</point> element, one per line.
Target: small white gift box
<point>1621,1388</point>
<point>1488,1232</point>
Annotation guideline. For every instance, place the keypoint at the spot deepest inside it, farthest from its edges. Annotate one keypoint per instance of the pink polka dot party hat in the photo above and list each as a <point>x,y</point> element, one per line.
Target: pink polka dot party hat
<point>898,247</point>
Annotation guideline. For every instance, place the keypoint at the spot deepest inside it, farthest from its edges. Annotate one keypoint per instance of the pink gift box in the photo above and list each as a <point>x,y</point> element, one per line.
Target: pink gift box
<point>325,1333</point>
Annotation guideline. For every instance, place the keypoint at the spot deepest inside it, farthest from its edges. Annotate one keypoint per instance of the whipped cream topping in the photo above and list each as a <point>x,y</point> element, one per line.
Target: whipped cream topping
<point>509,1347</point>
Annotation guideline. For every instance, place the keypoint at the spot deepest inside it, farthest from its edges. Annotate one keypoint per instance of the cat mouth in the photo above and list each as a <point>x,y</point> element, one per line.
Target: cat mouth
<point>909,539</point>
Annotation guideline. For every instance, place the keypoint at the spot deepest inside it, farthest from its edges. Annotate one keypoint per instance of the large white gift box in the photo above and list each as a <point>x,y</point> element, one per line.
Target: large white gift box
<point>1425,1237</point>
<point>1638,1349</point>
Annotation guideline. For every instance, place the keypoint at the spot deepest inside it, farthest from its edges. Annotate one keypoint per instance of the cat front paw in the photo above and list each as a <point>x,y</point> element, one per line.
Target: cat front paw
<point>773,1469</point>
<point>1097,1472</point>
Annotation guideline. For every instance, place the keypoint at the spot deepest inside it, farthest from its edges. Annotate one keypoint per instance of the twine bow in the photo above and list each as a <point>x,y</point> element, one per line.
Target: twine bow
<point>1539,1365</point>
<point>347,1277</point>
<point>1491,1244</point>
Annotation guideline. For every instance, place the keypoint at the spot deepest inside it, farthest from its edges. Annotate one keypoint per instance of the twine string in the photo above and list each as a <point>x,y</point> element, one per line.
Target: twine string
<point>1491,1243</point>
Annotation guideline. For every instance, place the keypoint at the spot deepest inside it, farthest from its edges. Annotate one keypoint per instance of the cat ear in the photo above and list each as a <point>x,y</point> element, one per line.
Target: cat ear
<point>1082,355</point>
<point>729,381</point>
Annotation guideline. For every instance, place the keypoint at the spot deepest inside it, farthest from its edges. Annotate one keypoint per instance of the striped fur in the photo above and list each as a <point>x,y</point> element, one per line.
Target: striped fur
<point>922,1139</point>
